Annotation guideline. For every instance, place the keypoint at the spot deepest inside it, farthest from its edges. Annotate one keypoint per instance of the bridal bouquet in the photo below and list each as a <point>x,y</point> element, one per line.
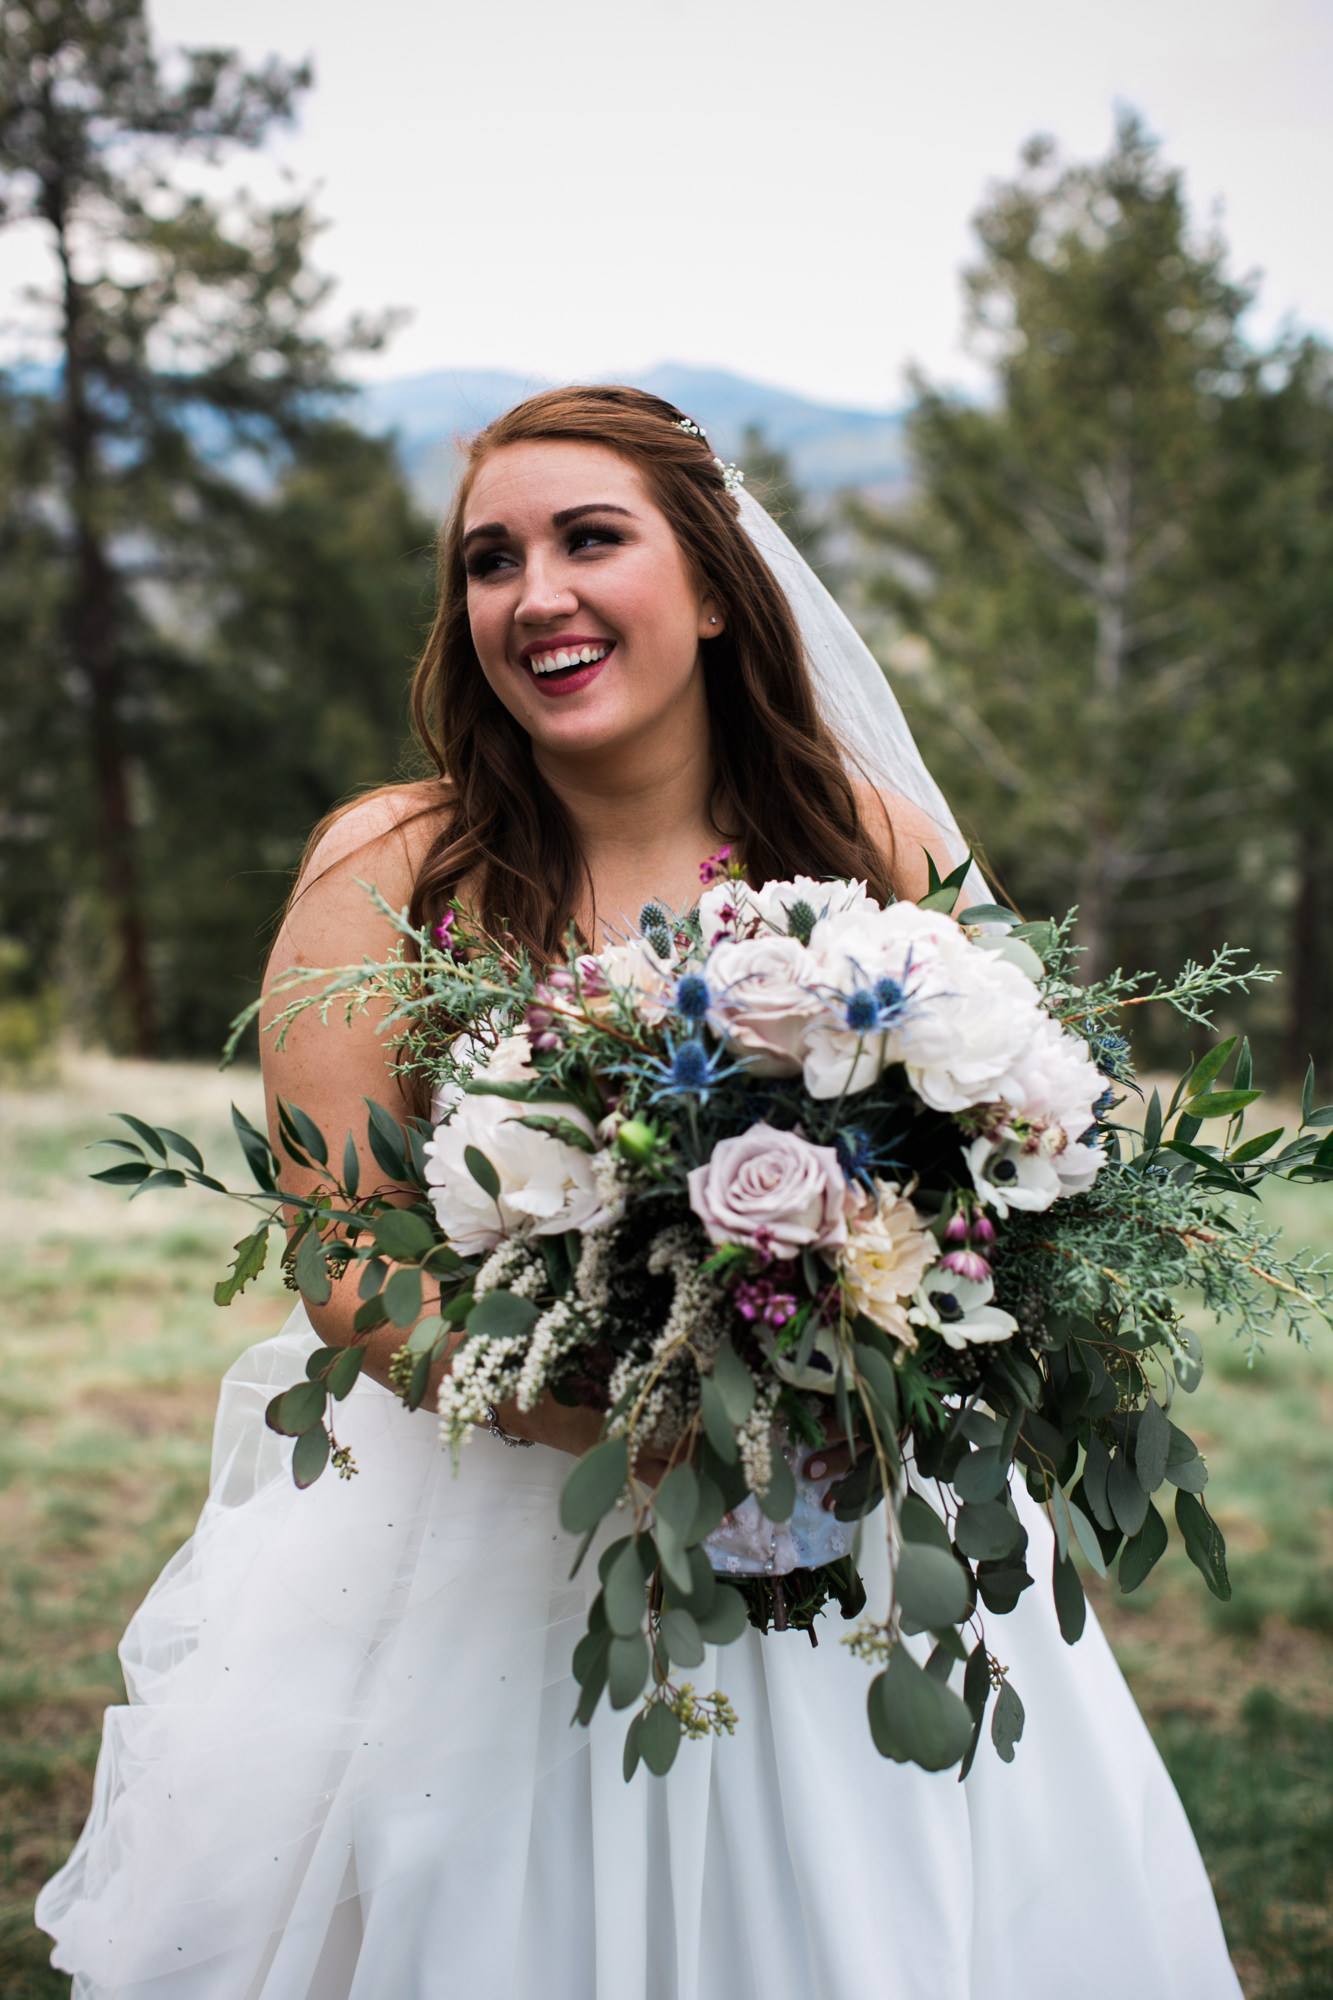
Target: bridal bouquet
<point>790,1170</point>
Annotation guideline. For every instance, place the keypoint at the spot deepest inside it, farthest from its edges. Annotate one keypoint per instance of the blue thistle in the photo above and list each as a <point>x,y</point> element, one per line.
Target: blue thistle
<point>853,1148</point>
<point>690,1072</point>
<point>692,997</point>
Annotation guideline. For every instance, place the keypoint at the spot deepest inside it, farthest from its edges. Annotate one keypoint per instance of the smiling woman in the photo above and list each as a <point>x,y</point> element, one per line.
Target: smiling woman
<point>589,519</point>
<point>346,1771</point>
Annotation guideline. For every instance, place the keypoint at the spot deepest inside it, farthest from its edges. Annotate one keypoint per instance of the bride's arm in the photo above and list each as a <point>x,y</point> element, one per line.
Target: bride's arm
<point>329,1069</point>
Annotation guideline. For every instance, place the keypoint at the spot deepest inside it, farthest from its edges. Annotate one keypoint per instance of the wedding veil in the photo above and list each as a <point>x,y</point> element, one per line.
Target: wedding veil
<point>855,698</point>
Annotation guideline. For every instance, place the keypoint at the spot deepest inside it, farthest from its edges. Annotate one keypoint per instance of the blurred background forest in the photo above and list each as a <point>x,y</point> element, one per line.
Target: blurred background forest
<point>1102,588</point>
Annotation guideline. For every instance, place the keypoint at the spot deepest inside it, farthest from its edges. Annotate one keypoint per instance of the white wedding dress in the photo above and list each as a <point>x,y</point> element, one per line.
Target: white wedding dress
<point>347,1772</point>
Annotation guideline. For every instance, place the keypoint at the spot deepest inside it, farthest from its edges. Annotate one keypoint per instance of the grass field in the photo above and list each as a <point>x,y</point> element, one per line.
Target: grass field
<point>110,1350</point>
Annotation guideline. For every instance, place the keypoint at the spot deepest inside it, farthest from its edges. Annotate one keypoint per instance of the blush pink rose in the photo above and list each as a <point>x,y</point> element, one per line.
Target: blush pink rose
<point>763,1001</point>
<point>772,1191</point>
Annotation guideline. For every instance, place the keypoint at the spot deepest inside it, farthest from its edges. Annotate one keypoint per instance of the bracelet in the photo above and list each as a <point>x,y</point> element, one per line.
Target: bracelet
<point>497,1430</point>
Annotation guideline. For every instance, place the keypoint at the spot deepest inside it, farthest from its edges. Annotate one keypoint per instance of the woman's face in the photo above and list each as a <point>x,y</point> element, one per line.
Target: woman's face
<point>584,613</point>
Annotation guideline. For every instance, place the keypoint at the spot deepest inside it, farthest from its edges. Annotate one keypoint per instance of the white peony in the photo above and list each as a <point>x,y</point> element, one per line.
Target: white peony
<point>546,1185</point>
<point>734,909</point>
<point>763,1000</point>
<point>867,950</point>
<point>1057,1081</point>
<point>960,1310</point>
<point>886,1255</point>
<point>510,1061</point>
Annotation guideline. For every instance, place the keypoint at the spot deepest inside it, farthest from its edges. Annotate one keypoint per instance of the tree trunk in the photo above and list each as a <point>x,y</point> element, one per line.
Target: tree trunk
<point>93,640</point>
<point>1309,1025</point>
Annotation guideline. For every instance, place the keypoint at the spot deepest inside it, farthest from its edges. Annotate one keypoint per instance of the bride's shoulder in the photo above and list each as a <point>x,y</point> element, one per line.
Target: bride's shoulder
<point>380,840</point>
<point>394,826</point>
<point>904,834</point>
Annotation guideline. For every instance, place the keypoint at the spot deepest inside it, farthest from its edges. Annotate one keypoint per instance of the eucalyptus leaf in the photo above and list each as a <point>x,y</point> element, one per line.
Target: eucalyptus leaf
<point>625,1593</point>
<point>626,1669</point>
<point>402,1297</point>
<point>501,1315</point>
<point>925,1718</point>
<point>310,1455</point>
<point>717,1427</point>
<point>725,1619</point>
<point>680,1635</point>
<point>312,1273</point>
<point>1152,1443</point>
<point>879,1379</point>
<point>1007,1722</point>
<point>482,1172</point>
<point>594,1486</point>
<point>297,1409</point>
<point>387,1144</point>
<point>1071,1606</point>
<point>659,1738</point>
<point>351,1168</point>
<point>734,1384</point>
<point>1129,1502</point>
<point>1142,1551</point>
<point>342,1376</point>
<point>986,1530</point>
<point>1204,1544</point>
<point>930,1586</point>
<point>400,1234</point>
<point>918,1522</point>
<point>983,1475</point>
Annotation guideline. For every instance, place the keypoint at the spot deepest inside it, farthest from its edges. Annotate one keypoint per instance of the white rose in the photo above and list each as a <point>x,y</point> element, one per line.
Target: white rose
<point>762,1001</point>
<point>886,1255</point>
<point>546,1185</point>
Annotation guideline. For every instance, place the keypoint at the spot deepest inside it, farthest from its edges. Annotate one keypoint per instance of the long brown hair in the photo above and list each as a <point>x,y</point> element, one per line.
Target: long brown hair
<point>781,792</point>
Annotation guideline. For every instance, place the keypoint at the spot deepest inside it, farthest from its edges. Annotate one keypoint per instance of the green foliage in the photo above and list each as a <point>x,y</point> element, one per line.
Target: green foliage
<point>211,587</point>
<point>1106,603</point>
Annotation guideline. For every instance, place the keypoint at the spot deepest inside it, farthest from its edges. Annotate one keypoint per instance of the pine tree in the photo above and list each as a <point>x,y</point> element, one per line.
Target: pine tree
<point>1051,560</point>
<point>184,337</point>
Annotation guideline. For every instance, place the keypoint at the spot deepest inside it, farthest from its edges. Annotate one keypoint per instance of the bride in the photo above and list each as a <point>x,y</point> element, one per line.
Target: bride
<point>346,1769</point>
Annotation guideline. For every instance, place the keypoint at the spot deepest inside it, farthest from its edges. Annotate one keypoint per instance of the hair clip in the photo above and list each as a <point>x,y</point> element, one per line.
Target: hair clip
<point>732,476</point>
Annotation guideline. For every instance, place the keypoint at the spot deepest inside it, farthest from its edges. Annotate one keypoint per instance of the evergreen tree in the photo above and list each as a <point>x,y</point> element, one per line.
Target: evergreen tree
<point>1273,542</point>
<point>1052,559</point>
<point>184,335</point>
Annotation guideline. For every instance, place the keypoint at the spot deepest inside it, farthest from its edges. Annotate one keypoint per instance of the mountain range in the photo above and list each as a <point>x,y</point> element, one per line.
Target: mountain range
<point>828,447</point>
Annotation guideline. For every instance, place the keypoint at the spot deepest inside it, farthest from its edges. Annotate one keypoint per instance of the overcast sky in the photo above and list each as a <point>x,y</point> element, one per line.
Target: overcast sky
<point>778,187</point>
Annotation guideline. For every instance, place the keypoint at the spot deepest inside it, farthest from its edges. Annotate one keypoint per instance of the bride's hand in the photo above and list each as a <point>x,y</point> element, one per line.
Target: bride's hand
<point>830,1460</point>
<point>574,1431</point>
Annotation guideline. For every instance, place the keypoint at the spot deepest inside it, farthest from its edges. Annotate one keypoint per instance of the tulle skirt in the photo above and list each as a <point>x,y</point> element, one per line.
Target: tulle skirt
<point>346,1771</point>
